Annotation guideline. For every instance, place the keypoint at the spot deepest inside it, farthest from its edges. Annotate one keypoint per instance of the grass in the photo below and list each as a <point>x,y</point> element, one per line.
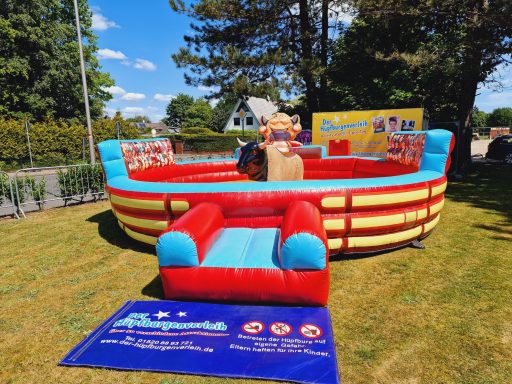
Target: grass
<point>439,315</point>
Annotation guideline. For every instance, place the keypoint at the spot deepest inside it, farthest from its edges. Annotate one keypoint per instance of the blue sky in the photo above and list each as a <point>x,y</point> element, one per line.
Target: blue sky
<point>136,40</point>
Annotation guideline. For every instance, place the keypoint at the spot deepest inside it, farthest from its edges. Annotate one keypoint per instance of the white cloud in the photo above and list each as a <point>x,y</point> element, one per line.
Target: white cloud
<point>214,102</point>
<point>144,65</point>
<point>130,96</point>
<point>110,54</point>
<point>114,90</point>
<point>101,23</point>
<point>161,97</point>
<point>133,110</point>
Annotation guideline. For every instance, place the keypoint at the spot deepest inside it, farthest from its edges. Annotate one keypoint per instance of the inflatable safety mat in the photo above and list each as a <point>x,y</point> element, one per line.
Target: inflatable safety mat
<point>260,342</point>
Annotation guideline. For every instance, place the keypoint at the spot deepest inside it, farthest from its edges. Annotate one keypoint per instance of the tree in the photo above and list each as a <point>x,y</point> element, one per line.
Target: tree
<point>479,118</point>
<point>39,61</point>
<point>199,114</point>
<point>428,53</point>
<point>222,112</point>
<point>139,119</point>
<point>177,109</point>
<point>500,117</point>
<point>239,44</point>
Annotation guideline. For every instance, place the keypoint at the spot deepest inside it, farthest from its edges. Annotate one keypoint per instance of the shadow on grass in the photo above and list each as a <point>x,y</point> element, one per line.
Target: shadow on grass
<point>154,289</point>
<point>109,230</point>
<point>488,187</point>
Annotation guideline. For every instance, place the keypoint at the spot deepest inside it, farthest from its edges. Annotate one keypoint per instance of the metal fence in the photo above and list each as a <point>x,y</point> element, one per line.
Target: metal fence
<point>31,189</point>
<point>189,157</point>
<point>35,188</point>
<point>7,193</point>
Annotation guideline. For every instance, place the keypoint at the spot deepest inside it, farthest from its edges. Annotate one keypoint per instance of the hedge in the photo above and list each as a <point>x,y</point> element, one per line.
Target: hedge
<point>52,142</point>
<point>211,142</point>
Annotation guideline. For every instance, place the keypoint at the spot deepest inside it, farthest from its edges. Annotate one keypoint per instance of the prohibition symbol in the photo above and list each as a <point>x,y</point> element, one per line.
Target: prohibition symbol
<point>280,329</point>
<point>253,327</point>
<point>310,331</point>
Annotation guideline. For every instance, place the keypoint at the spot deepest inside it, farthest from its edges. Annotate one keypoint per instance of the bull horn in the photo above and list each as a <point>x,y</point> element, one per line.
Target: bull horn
<point>295,119</point>
<point>241,143</point>
<point>264,120</point>
<point>263,145</point>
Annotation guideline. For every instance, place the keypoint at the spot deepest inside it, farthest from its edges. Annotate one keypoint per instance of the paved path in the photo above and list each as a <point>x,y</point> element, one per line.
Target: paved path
<point>479,147</point>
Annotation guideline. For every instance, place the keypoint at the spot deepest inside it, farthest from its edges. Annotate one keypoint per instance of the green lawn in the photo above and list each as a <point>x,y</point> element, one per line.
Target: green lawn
<point>440,315</point>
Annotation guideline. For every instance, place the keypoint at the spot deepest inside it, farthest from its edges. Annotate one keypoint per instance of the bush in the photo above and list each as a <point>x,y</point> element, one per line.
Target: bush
<point>53,142</point>
<point>80,180</point>
<point>37,189</point>
<point>209,141</point>
<point>5,193</point>
<point>22,185</point>
<point>197,131</point>
<point>96,180</point>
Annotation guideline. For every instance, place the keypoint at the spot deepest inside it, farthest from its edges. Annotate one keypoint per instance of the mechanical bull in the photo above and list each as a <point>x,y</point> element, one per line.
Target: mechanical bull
<point>263,162</point>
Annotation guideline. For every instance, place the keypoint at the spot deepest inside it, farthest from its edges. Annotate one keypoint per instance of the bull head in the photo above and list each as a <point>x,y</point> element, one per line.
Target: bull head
<point>252,160</point>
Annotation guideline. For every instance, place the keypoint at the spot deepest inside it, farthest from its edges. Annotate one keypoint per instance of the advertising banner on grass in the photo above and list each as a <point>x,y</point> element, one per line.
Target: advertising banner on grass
<point>278,343</point>
<point>367,131</point>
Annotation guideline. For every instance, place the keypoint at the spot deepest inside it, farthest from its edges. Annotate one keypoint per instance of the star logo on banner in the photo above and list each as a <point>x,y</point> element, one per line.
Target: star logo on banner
<point>161,314</point>
<point>181,314</point>
<point>336,119</point>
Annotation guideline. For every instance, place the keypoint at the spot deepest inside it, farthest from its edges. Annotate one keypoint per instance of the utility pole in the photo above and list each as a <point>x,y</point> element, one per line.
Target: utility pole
<point>84,85</point>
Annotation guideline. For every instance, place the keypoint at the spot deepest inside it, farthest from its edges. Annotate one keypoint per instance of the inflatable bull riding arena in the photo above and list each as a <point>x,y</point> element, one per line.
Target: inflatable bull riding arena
<point>261,227</point>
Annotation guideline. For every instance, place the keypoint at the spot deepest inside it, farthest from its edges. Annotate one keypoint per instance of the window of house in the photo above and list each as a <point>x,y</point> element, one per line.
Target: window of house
<point>236,121</point>
<point>248,120</point>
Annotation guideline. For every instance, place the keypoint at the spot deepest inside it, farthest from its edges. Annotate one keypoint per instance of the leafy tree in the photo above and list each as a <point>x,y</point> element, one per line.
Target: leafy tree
<point>39,61</point>
<point>222,111</point>
<point>177,108</point>
<point>500,117</point>
<point>479,118</point>
<point>139,119</point>
<point>422,53</point>
<point>199,114</point>
<point>240,45</point>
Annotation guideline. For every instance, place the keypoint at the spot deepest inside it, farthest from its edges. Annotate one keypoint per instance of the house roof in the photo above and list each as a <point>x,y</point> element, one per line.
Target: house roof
<point>258,106</point>
<point>261,107</point>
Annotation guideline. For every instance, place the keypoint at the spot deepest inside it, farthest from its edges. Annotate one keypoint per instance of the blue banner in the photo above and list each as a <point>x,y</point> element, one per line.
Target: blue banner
<point>277,343</point>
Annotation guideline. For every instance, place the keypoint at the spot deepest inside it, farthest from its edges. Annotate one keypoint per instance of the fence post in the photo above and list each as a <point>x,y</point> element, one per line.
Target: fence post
<point>18,203</point>
<point>14,207</point>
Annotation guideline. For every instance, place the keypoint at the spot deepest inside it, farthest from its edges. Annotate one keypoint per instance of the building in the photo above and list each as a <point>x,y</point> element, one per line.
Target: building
<point>159,127</point>
<point>247,113</point>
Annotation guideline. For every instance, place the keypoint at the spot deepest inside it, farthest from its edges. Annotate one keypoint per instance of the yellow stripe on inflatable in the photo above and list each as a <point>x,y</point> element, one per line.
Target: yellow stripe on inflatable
<point>391,238</point>
<point>377,221</point>
<point>439,189</point>
<point>180,206</point>
<point>431,224</point>
<point>156,205</point>
<point>334,224</point>
<point>436,207</point>
<point>389,198</point>
<point>410,216</point>
<point>422,213</point>
<point>334,243</point>
<point>333,202</point>
<point>138,236</point>
<point>143,223</point>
